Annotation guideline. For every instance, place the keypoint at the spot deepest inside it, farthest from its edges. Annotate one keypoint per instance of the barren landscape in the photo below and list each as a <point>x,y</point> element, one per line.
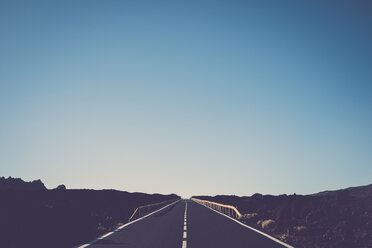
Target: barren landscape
<point>330,219</point>
<point>33,216</point>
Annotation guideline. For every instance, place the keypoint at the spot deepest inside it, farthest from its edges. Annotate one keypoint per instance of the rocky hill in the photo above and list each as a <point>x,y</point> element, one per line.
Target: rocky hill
<point>360,191</point>
<point>18,184</point>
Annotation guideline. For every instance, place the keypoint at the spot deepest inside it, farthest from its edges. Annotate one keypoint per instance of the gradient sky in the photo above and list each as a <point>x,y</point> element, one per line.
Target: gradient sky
<point>191,97</point>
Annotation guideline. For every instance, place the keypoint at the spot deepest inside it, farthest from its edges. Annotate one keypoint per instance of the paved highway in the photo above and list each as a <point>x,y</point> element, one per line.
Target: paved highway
<point>185,224</point>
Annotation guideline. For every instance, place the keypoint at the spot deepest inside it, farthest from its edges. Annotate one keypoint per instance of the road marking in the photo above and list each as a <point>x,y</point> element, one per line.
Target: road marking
<point>249,227</point>
<point>184,241</point>
<point>107,234</point>
<point>121,227</point>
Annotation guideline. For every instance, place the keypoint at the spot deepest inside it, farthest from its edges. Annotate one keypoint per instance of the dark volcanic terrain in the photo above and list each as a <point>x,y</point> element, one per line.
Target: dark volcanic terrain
<point>330,219</point>
<point>32,216</point>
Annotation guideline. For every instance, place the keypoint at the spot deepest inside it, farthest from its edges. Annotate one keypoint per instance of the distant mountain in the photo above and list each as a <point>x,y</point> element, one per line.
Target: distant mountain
<point>18,184</point>
<point>360,191</point>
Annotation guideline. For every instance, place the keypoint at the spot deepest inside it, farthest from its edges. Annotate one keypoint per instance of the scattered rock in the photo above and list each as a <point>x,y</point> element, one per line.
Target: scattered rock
<point>267,224</point>
<point>249,217</point>
<point>300,229</point>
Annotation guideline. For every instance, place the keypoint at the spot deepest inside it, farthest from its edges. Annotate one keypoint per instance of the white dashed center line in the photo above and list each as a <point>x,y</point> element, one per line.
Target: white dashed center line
<point>184,242</point>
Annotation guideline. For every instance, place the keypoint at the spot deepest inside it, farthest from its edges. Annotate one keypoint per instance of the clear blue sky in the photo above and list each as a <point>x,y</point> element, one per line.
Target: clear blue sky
<point>191,97</point>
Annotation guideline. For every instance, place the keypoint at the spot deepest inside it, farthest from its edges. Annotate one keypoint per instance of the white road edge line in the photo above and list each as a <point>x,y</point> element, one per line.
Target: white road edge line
<point>260,232</point>
<point>127,224</point>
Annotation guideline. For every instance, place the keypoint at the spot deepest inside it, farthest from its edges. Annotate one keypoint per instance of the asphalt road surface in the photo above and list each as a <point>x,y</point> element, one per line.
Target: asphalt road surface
<point>185,224</point>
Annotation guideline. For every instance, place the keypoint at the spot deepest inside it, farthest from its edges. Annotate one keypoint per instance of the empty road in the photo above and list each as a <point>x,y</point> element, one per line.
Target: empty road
<point>185,224</point>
